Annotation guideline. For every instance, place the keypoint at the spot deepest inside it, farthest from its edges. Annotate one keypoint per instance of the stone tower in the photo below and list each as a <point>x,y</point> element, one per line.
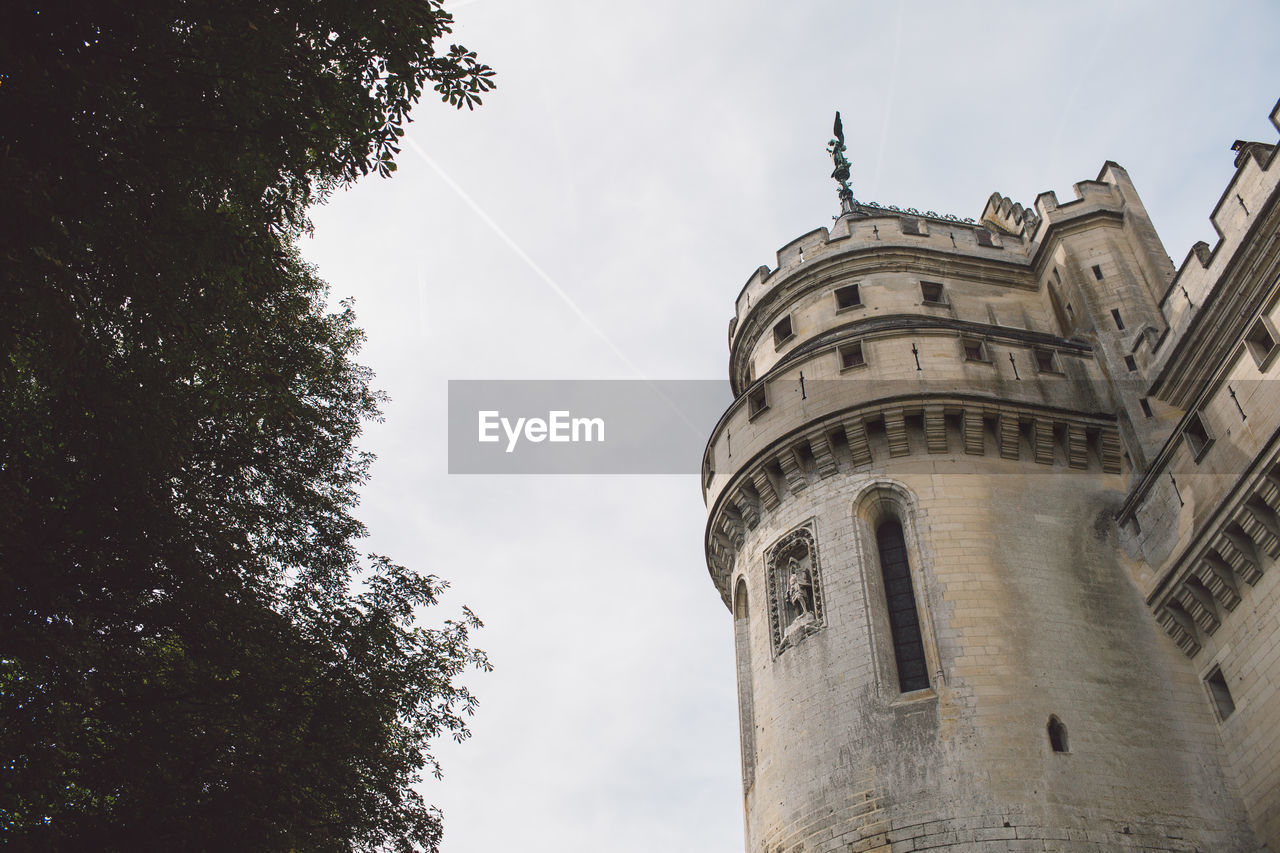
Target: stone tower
<point>925,506</point>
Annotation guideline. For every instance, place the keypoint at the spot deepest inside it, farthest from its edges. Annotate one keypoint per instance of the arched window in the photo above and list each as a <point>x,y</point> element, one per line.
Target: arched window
<point>904,620</point>
<point>746,714</point>
<point>1057,735</point>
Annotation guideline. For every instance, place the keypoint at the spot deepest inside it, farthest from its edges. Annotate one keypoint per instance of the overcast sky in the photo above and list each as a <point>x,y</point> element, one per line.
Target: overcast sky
<point>596,219</point>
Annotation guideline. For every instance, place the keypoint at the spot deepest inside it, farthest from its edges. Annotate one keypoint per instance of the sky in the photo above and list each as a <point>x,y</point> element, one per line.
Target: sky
<point>595,219</point>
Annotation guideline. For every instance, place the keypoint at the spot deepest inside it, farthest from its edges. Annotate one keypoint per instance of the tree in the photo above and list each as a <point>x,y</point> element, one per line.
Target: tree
<point>191,650</point>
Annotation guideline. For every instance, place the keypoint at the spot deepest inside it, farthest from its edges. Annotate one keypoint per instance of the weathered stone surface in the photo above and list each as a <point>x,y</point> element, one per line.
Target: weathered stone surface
<point>1105,559</point>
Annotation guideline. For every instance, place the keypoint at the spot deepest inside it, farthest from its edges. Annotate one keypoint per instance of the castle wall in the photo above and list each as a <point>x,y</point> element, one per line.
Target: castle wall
<point>1083,449</point>
<point>1030,614</point>
<point>1204,518</point>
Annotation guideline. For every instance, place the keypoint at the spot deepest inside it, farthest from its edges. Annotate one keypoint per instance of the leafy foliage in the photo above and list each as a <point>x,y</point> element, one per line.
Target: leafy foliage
<point>190,655</point>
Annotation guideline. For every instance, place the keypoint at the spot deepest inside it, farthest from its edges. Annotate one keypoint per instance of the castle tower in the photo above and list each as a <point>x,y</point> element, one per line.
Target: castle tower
<point>911,516</point>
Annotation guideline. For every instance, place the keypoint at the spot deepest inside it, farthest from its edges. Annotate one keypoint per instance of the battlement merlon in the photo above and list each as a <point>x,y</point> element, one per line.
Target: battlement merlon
<point>1193,304</point>
<point>1112,190</point>
<point>1004,214</point>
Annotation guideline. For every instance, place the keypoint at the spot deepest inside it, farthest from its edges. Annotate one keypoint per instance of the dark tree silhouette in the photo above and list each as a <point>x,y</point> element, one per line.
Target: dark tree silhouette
<point>192,654</point>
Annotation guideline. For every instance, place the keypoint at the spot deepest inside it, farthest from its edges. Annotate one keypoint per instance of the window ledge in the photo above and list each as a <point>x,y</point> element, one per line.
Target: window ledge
<point>1197,455</point>
<point>924,694</point>
<point>1264,363</point>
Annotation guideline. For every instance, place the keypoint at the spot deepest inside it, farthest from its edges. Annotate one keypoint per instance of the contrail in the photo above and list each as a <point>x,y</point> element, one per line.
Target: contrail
<point>522,255</point>
<point>542,274</point>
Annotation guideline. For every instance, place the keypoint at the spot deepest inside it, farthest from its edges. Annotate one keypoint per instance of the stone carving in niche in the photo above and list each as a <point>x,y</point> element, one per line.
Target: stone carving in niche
<point>795,587</point>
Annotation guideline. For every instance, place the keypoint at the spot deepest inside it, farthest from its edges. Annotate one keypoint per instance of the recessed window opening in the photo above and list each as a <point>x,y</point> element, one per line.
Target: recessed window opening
<point>1146,407</point>
<point>1057,734</point>
<point>1057,276</point>
<point>904,620</point>
<point>932,292</point>
<point>911,225</point>
<point>1197,435</point>
<point>851,356</point>
<point>1220,694</point>
<point>782,331</point>
<point>848,297</point>
<point>984,237</point>
<point>1130,364</point>
<point>974,350</point>
<point>757,401</point>
<point>1045,361</point>
<point>1115,315</point>
<point>1071,312</point>
<point>1261,342</point>
<point>1097,272</point>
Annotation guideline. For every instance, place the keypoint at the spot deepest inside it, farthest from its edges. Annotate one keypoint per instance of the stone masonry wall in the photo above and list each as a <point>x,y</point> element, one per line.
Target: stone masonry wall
<point>1029,613</point>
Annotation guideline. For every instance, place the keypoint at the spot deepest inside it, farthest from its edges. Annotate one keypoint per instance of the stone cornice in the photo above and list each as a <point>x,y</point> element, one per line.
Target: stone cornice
<point>880,327</point>
<point>1199,586</point>
<point>773,473</point>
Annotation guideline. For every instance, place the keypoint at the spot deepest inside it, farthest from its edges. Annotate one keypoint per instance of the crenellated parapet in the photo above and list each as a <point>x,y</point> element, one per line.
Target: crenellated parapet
<point>857,245</point>
<point>1218,287</point>
<point>1008,216</point>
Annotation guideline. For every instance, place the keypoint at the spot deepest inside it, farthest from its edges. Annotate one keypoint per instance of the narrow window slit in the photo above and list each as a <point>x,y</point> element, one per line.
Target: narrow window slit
<point>1057,734</point>
<point>1220,694</point>
<point>904,620</point>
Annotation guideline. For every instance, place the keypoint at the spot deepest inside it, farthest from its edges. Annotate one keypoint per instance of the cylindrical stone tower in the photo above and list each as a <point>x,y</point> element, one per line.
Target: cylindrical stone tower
<point>911,500</point>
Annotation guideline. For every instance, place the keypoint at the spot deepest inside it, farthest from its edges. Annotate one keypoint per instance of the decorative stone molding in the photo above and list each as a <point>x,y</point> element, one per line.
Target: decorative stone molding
<point>1077,447</point>
<point>841,444</point>
<point>1208,586</point>
<point>855,434</point>
<point>896,427</point>
<point>935,429</point>
<point>748,507</point>
<point>1042,446</point>
<point>1008,436</point>
<point>764,488</point>
<point>794,577</point>
<point>974,434</point>
<point>820,446</point>
<point>796,481</point>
